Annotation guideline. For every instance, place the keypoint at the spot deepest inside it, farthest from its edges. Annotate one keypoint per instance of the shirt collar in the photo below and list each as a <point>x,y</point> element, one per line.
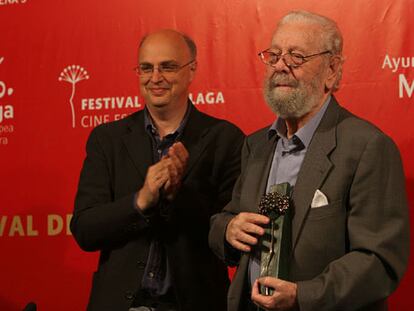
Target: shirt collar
<point>152,130</point>
<point>305,133</point>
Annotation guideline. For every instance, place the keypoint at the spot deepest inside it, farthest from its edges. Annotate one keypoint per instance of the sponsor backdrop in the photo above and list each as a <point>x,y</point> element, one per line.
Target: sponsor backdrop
<point>66,66</point>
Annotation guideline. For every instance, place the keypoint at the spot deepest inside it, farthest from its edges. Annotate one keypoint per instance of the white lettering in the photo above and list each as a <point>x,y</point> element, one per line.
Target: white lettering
<point>119,102</point>
<point>403,85</point>
<point>110,103</point>
<point>5,2</point>
<point>220,98</point>
<point>2,88</point>
<point>209,98</point>
<point>200,99</point>
<point>407,62</point>
<point>119,116</point>
<point>84,103</point>
<point>6,112</point>
<point>92,121</point>
<point>387,62</point>
<point>129,103</point>
<point>396,63</point>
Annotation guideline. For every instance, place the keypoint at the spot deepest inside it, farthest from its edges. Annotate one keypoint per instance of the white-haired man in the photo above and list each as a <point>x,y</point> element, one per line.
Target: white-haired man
<point>346,230</point>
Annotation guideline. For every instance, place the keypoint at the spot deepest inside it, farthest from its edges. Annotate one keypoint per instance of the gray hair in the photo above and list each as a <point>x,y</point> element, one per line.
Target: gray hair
<point>330,36</point>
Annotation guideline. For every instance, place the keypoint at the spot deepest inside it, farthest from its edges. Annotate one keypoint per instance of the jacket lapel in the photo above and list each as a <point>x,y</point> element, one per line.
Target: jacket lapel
<point>315,167</point>
<point>138,144</point>
<point>193,136</point>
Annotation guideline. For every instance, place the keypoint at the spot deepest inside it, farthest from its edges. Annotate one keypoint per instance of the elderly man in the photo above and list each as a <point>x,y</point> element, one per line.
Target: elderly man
<point>148,187</point>
<point>344,240</point>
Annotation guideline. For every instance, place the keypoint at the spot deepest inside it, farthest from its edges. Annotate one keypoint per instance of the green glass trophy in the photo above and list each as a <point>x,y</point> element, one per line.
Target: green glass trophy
<point>276,242</point>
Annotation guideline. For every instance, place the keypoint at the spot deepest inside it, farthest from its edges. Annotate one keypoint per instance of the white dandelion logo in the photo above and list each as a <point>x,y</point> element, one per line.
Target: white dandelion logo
<point>73,74</point>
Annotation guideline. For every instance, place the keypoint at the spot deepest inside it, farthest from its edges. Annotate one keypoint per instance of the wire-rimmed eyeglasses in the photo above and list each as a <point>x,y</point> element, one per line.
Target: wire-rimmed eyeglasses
<point>291,59</point>
<point>166,68</point>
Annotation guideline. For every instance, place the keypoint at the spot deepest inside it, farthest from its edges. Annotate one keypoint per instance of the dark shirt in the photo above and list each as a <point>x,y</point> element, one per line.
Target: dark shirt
<point>156,280</point>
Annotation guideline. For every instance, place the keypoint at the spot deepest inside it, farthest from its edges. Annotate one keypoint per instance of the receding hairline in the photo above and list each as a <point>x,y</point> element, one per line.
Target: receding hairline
<point>331,34</point>
<point>192,48</point>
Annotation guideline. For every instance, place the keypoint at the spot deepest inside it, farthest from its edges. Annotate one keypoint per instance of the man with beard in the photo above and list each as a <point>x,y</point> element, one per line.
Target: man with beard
<point>148,187</point>
<point>344,241</point>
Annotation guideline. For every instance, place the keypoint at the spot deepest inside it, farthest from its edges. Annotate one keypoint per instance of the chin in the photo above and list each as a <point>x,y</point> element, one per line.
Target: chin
<point>158,101</point>
<point>158,104</point>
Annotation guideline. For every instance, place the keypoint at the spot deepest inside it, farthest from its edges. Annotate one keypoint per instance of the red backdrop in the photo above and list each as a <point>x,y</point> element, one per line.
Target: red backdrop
<point>66,66</point>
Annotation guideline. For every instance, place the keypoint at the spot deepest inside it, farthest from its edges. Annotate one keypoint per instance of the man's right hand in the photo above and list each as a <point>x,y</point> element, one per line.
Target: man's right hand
<point>243,230</point>
<point>165,174</point>
<point>157,176</point>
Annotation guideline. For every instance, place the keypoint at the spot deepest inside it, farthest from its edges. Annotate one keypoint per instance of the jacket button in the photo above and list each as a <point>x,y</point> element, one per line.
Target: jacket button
<point>141,264</point>
<point>129,295</point>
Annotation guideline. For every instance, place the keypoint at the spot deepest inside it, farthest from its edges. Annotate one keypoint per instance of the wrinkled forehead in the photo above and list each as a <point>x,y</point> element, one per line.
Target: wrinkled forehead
<point>163,46</point>
<point>302,36</point>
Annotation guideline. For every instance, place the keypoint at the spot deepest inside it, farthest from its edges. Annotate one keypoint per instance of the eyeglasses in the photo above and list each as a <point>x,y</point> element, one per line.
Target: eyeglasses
<point>167,68</point>
<point>291,59</point>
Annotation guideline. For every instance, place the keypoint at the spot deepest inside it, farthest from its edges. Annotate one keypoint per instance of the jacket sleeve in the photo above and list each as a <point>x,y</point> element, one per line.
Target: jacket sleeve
<point>98,220</point>
<point>219,221</point>
<point>378,236</point>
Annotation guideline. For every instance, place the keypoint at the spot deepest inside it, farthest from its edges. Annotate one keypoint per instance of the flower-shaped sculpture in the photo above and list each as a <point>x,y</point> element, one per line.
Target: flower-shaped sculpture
<point>274,204</point>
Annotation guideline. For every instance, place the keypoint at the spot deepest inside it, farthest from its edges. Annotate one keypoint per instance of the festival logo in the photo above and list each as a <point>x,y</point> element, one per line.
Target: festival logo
<point>92,111</point>
<point>73,74</point>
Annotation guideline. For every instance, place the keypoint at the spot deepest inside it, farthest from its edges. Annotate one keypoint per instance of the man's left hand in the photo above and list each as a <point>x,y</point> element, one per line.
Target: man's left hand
<point>178,158</point>
<point>283,297</point>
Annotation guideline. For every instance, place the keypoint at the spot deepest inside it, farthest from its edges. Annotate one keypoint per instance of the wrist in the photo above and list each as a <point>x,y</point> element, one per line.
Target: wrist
<point>142,202</point>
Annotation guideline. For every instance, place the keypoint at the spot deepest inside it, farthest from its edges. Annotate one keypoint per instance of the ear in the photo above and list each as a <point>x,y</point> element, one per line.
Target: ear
<point>193,66</point>
<point>334,72</point>
<point>193,69</point>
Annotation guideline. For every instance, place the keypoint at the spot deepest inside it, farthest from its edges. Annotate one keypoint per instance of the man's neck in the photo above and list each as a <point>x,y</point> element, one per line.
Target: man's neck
<point>167,120</point>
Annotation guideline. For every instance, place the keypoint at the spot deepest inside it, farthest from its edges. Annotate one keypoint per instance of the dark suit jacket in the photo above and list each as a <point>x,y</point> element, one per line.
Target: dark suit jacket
<point>351,253</point>
<point>118,156</point>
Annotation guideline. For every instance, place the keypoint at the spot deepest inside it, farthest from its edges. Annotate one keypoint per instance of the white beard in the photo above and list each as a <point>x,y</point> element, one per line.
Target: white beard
<point>294,104</point>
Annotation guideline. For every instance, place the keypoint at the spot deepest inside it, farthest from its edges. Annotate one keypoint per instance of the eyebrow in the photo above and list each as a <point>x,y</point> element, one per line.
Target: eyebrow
<point>165,62</point>
<point>290,49</point>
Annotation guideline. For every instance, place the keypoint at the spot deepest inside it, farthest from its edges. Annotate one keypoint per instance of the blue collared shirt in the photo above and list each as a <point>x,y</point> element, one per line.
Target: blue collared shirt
<point>286,163</point>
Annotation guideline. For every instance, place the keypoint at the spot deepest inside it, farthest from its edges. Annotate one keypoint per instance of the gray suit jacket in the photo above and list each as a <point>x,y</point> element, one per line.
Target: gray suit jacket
<point>349,254</point>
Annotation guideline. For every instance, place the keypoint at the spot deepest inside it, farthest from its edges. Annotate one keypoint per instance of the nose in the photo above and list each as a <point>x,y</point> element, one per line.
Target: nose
<point>156,75</point>
<point>281,65</point>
